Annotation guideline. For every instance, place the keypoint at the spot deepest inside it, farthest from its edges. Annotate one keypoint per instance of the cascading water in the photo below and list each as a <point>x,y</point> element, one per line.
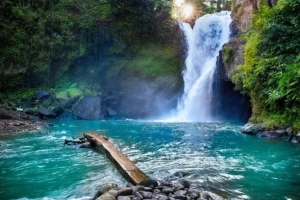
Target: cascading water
<point>204,42</point>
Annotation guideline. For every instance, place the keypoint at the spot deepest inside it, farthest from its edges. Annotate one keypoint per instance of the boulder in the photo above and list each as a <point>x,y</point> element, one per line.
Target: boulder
<point>89,107</point>
<point>185,183</point>
<point>180,194</point>
<point>167,190</point>
<point>42,95</point>
<point>253,129</point>
<point>105,188</point>
<point>106,196</point>
<point>111,113</point>
<point>113,192</point>
<point>47,113</point>
<point>125,191</point>
<point>149,182</point>
<point>123,198</point>
<point>297,137</point>
<point>146,195</point>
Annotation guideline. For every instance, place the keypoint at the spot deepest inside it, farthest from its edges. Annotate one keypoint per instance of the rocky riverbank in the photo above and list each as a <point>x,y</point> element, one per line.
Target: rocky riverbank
<point>263,131</point>
<point>158,190</point>
<point>12,122</point>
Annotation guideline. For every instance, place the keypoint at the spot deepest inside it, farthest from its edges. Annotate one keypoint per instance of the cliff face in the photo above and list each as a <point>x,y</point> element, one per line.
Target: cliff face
<point>233,51</point>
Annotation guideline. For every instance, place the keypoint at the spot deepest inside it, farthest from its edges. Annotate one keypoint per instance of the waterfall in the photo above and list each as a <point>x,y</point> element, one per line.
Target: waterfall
<point>204,42</point>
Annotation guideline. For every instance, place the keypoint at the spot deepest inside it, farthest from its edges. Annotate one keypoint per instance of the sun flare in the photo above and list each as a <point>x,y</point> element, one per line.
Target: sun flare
<point>187,11</point>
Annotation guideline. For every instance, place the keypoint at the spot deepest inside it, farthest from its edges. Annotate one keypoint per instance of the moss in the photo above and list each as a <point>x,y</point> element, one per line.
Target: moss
<point>227,53</point>
<point>69,93</point>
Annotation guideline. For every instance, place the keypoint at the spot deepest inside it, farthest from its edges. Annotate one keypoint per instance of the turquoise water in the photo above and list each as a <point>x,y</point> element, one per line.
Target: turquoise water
<point>214,156</point>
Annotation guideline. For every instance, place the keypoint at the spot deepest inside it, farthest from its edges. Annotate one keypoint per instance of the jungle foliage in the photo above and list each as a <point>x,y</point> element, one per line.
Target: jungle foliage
<point>271,74</point>
<point>44,42</point>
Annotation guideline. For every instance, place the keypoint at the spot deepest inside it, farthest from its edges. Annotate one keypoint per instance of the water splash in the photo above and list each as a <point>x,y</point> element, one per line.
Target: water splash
<point>204,42</point>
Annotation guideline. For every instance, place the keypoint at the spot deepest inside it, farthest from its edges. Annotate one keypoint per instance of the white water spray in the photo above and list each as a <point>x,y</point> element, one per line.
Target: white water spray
<point>204,42</point>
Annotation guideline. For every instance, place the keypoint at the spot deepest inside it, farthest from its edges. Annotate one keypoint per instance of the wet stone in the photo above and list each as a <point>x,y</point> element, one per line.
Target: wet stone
<point>185,184</point>
<point>162,197</point>
<point>194,195</point>
<point>178,186</point>
<point>113,192</point>
<point>125,192</point>
<point>206,196</point>
<point>106,196</point>
<point>167,190</point>
<point>137,194</point>
<point>123,198</point>
<point>156,191</point>
<point>180,194</point>
<point>146,195</point>
<point>149,189</point>
<point>194,191</point>
<point>136,198</point>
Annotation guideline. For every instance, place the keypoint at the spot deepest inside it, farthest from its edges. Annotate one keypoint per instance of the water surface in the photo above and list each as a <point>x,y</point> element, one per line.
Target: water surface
<point>214,156</point>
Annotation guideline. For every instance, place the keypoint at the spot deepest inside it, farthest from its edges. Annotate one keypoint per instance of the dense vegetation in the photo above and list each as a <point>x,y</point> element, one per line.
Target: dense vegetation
<point>271,74</point>
<point>44,42</point>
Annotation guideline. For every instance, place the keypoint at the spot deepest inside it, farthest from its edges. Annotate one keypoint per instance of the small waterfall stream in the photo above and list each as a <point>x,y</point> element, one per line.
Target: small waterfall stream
<point>204,42</point>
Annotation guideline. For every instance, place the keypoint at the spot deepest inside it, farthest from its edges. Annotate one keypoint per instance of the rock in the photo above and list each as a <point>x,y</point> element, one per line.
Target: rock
<point>111,113</point>
<point>42,95</point>
<point>206,196</point>
<point>232,55</point>
<point>273,134</point>
<point>192,190</point>
<point>106,196</point>
<point>136,198</point>
<point>180,194</point>
<point>188,198</point>
<point>137,194</point>
<point>253,129</point>
<point>149,182</point>
<point>105,188</point>
<point>162,197</point>
<point>146,195</point>
<point>86,145</point>
<point>156,191</point>
<point>185,183</point>
<point>194,195</point>
<point>47,113</point>
<point>167,190</point>
<point>113,192</point>
<point>164,183</point>
<point>297,137</point>
<point>178,186</point>
<point>149,189</point>
<point>123,198</point>
<point>89,107</point>
<point>125,191</point>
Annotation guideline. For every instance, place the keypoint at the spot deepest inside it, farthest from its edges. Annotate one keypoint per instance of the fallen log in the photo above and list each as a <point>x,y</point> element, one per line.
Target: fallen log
<point>124,165</point>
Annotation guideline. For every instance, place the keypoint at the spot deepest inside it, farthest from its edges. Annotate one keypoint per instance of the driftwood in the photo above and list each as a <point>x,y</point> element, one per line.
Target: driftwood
<point>124,165</point>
